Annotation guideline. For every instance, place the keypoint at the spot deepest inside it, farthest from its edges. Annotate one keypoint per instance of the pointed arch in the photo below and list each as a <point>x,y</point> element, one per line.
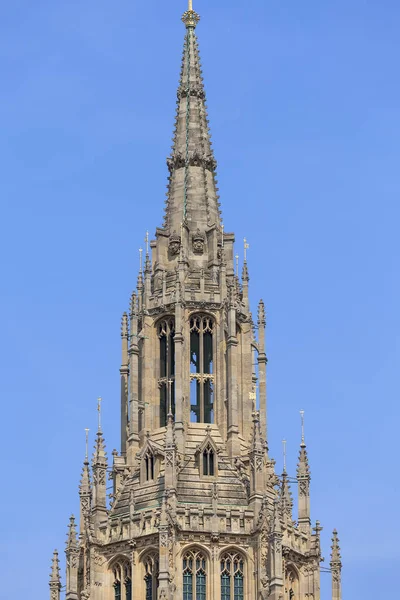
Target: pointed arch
<point>202,328</point>
<point>206,456</point>
<point>121,569</point>
<point>292,582</point>
<point>195,573</point>
<point>149,561</point>
<point>233,567</point>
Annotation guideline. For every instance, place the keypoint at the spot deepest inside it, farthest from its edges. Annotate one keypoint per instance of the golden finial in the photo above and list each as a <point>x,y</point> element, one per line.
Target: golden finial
<point>284,455</point>
<point>87,444</point>
<point>140,259</point>
<point>246,247</point>
<point>170,382</point>
<point>190,17</point>
<point>302,426</point>
<point>99,401</point>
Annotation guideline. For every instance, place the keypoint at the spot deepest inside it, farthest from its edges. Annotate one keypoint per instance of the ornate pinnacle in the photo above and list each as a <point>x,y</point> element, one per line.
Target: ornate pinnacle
<point>124,325</point>
<point>276,522</point>
<point>55,580</point>
<point>336,559</point>
<point>261,314</point>
<point>133,304</point>
<point>71,535</point>
<point>190,17</point>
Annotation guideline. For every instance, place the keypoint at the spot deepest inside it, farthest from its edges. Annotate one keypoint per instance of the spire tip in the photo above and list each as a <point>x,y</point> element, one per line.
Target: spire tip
<point>190,17</point>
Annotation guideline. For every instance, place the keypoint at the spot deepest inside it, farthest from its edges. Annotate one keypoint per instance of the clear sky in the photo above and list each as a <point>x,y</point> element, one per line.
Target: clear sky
<point>304,104</point>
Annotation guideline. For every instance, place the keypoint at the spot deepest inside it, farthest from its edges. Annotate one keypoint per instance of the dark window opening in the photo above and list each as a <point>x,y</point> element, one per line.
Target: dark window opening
<point>166,381</point>
<point>201,370</point>
<point>149,463</point>
<point>208,461</point>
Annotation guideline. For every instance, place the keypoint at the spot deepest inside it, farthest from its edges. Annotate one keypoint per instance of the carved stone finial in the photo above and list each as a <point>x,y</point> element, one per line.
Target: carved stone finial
<point>124,325</point>
<point>71,535</point>
<point>336,558</point>
<point>261,314</point>
<point>55,569</point>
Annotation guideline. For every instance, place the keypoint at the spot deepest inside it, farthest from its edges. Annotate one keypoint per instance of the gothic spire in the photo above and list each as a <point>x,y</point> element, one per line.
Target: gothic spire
<point>192,192</point>
<point>336,568</point>
<point>72,555</point>
<point>285,498</point>
<point>336,558</point>
<point>303,481</point>
<point>85,487</point>
<point>55,579</point>
<point>99,468</point>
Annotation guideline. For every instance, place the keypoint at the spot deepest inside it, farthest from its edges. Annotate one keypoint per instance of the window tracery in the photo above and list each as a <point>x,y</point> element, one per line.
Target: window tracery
<point>201,369</point>
<point>291,584</point>
<point>232,576</point>
<point>194,576</point>
<point>122,580</point>
<point>208,461</point>
<point>166,380</point>
<point>151,568</point>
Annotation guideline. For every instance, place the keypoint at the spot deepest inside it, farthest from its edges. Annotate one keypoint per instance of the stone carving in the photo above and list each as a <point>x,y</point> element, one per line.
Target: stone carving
<point>264,592</point>
<point>174,243</point>
<point>198,242</point>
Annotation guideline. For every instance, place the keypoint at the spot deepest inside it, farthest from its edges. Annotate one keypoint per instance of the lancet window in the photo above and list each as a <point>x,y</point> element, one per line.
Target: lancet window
<point>150,576</point>
<point>122,581</point>
<point>232,577</point>
<point>201,369</point>
<point>149,466</point>
<point>194,576</point>
<point>166,380</point>
<point>208,461</point>
<point>291,584</point>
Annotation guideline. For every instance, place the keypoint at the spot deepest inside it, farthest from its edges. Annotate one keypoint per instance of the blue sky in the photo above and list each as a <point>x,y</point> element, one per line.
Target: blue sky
<point>304,104</point>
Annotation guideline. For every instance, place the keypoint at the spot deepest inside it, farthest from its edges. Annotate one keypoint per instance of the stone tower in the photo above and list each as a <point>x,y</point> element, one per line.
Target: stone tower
<point>197,511</point>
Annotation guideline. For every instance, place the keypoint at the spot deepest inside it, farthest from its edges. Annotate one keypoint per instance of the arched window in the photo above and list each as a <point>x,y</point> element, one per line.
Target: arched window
<point>150,576</point>
<point>208,461</point>
<point>232,576</point>
<point>122,581</point>
<point>291,584</point>
<point>166,380</point>
<point>149,466</point>
<point>194,576</point>
<point>201,370</point>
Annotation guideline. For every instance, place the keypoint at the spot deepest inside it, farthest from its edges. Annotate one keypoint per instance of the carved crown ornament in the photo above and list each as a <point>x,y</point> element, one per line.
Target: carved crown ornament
<point>174,244</point>
<point>196,158</point>
<point>195,89</point>
<point>198,242</point>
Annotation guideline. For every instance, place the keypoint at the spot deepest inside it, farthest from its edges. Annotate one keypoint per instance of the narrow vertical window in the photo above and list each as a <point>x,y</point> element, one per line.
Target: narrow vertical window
<point>117,590</point>
<point>151,577</point>
<point>194,576</point>
<point>232,577</point>
<point>166,380</point>
<point>128,589</point>
<point>149,464</point>
<point>122,581</point>
<point>201,370</point>
<point>208,461</point>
